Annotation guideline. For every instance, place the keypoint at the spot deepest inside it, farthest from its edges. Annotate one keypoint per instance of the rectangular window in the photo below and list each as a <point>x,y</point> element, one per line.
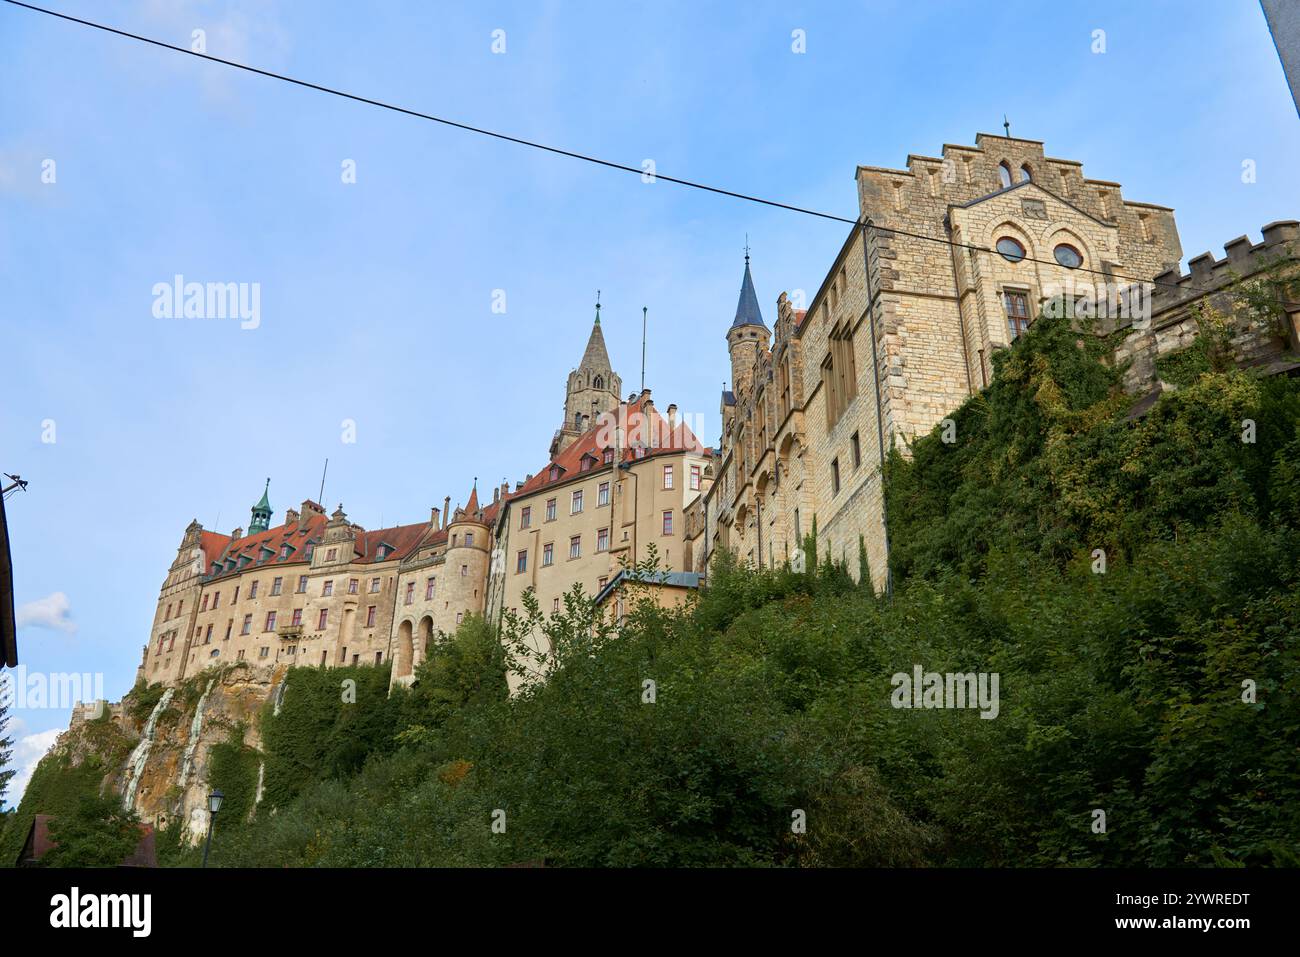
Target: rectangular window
<point>276,586</point>
<point>370,616</point>
<point>203,605</point>
<point>550,509</point>
<point>216,599</point>
<point>262,652</point>
<point>229,627</point>
<point>575,546</point>
<point>352,585</point>
<point>576,505</point>
<point>525,516</point>
<point>521,561</point>
<point>695,478</point>
<point>609,456</point>
<point>428,589</point>
<point>297,616</point>
<point>835,476</point>
<point>324,619</point>
<point>1017,306</point>
<point>410,593</point>
<point>602,494</point>
<point>374,585</point>
<point>270,621</point>
<point>459,616</point>
<point>252,590</point>
<point>602,582</point>
<point>328,588</point>
<point>602,539</point>
<point>248,625</point>
<point>555,606</point>
<point>464,571</point>
<point>169,613</point>
<point>668,522</point>
<point>236,598</point>
<point>469,539</point>
<point>548,553</point>
<point>857,450</point>
<point>207,636</point>
<point>330,553</point>
<point>302,584</point>
<point>668,477</point>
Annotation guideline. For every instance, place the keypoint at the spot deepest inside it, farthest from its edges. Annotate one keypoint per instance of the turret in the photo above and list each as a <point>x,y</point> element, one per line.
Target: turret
<point>261,513</point>
<point>592,389</point>
<point>747,337</point>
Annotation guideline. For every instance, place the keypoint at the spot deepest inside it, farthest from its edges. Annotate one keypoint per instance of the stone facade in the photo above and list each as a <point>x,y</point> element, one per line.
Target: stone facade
<point>902,330</point>
<point>1264,336</point>
<point>323,591</point>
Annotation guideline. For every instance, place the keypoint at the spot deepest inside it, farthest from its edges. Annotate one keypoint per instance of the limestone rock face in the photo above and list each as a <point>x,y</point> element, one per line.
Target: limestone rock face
<point>157,759</point>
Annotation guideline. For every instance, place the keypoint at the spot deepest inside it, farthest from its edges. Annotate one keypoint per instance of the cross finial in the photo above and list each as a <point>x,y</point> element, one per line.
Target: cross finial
<point>597,307</point>
<point>746,249</point>
<point>1006,125</point>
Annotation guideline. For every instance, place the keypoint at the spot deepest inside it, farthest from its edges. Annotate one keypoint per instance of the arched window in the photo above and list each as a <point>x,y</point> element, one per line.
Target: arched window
<point>1025,174</point>
<point>1068,256</point>
<point>1004,173</point>
<point>599,382</point>
<point>577,420</point>
<point>1010,250</point>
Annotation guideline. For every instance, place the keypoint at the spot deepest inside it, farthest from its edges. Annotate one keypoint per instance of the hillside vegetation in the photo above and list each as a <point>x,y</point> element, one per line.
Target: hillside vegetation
<point>1159,687</point>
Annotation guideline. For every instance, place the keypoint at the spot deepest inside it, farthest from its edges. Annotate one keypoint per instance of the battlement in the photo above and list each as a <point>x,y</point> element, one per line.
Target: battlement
<point>1243,259</point>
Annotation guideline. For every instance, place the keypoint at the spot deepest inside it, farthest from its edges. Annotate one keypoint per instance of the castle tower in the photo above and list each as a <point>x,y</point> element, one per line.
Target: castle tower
<point>463,584</point>
<point>593,388</point>
<point>261,513</point>
<point>747,339</point>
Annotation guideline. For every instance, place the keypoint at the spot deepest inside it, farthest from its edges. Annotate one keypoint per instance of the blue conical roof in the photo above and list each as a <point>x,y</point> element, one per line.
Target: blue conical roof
<point>747,311</point>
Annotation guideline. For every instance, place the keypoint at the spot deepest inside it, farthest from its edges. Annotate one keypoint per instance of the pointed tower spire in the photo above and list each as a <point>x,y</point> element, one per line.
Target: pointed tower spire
<point>472,505</point>
<point>261,519</point>
<point>747,311</point>
<point>747,336</point>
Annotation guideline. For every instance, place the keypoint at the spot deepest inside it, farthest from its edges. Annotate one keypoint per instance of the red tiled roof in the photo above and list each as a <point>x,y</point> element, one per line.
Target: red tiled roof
<point>401,539</point>
<point>213,544</point>
<point>652,431</point>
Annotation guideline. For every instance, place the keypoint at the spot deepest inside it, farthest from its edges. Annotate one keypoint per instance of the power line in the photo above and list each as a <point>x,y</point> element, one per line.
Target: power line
<point>573,154</point>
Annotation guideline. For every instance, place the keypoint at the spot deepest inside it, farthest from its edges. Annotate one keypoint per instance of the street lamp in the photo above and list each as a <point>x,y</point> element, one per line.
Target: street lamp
<point>214,805</point>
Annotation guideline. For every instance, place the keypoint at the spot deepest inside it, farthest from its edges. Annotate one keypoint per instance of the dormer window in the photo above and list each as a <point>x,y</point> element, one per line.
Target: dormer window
<point>284,551</point>
<point>609,456</point>
<point>555,473</point>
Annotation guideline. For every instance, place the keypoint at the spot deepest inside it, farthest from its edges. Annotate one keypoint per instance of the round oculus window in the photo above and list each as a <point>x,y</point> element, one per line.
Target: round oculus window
<point>1068,256</point>
<point>1010,250</point>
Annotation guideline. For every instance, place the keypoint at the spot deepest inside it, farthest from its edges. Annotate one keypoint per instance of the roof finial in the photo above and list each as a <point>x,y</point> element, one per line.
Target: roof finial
<point>1006,125</point>
<point>597,307</point>
<point>746,249</point>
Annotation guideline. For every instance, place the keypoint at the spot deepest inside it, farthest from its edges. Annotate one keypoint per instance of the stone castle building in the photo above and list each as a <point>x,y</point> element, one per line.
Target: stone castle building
<point>322,591</point>
<point>951,259</point>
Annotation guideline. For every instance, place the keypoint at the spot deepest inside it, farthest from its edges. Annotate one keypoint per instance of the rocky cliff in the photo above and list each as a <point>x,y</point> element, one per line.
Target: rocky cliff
<point>155,747</point>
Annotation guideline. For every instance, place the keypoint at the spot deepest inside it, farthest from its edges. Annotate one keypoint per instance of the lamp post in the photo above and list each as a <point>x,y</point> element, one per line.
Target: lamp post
<point>214,805</point>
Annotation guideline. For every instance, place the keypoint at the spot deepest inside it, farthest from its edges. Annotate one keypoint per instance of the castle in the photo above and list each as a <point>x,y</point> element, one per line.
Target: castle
<point>950,261</point>
<point>320,590</point>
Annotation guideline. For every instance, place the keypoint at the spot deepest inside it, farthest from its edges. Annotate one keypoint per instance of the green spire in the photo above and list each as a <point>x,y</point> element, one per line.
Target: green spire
<point>261,520</point>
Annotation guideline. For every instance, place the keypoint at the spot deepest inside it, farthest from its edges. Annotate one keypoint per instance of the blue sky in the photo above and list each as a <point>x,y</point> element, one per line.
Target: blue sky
<point>376,296</point>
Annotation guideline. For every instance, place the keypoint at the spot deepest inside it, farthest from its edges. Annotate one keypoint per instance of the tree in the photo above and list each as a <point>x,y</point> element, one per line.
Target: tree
<point>100,833</point>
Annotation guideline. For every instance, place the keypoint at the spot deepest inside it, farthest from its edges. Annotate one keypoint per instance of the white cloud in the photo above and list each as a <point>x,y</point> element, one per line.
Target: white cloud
<point>28,751</point>
<point>53,612</point>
